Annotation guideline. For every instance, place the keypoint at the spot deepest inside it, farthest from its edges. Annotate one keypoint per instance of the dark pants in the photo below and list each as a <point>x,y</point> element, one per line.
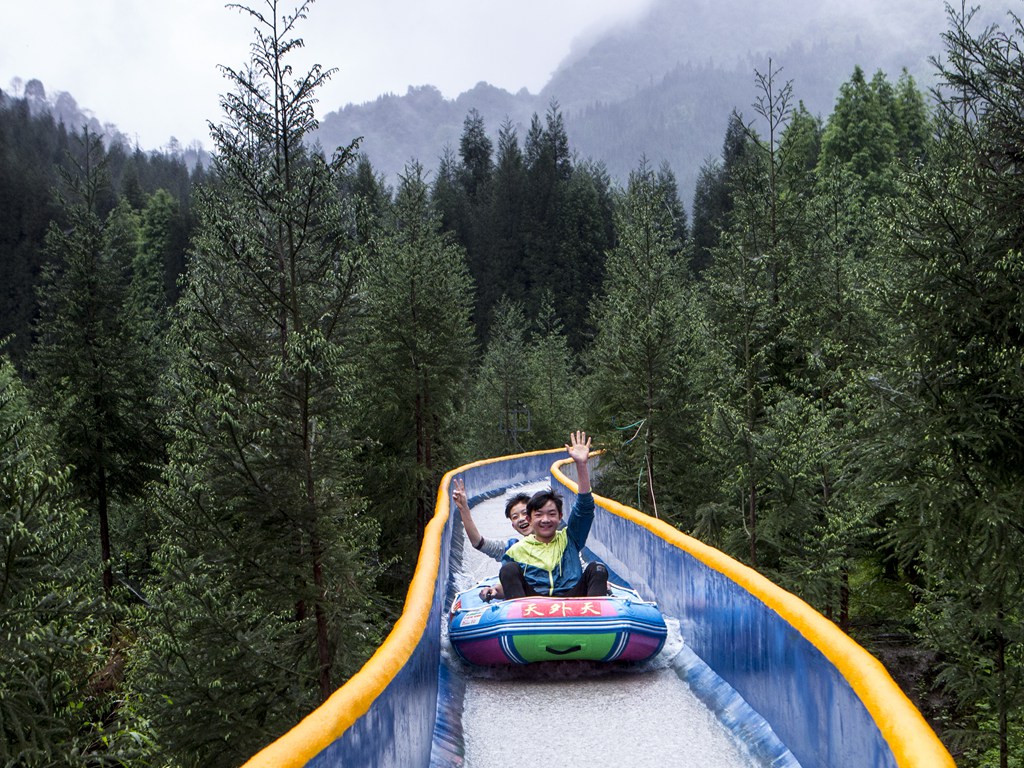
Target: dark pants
<point>593,583</point>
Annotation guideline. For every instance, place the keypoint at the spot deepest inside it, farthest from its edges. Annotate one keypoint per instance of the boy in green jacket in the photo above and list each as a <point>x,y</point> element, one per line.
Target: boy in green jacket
<point>547,562</point>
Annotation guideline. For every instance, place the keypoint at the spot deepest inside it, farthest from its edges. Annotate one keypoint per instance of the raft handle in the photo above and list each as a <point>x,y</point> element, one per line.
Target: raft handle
<point>557,652</point>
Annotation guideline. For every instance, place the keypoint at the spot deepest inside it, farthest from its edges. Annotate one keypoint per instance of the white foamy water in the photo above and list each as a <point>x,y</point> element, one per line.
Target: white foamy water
<point>584,714</point>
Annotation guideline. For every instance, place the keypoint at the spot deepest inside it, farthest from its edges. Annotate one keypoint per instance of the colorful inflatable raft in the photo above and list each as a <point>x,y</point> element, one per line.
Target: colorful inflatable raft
<point>619,627</point>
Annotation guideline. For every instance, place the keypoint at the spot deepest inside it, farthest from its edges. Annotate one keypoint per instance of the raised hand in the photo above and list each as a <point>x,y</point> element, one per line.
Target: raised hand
<point>579,446</point>
<point>462,504</point>
<point>459,495</point>
<point>579,450</point>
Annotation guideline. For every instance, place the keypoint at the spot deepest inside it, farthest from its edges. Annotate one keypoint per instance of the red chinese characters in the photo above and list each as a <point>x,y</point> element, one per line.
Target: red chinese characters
<point>548,608</point>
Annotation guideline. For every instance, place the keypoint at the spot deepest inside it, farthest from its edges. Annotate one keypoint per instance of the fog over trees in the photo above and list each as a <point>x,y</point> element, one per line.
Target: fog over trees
<point>664,85</point>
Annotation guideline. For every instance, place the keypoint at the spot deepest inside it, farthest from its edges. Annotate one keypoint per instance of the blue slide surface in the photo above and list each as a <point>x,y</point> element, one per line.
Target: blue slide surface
<point>828,701</point>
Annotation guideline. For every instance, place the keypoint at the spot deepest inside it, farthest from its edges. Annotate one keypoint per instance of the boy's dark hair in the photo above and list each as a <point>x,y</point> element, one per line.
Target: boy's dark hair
<point>519,498</point>
<point>540,498</point>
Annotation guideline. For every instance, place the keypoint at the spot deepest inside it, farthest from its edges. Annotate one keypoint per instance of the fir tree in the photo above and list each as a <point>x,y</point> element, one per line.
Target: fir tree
<point>94,364</point>
<point>264,599</point>
<point>505,232</point>
<point>712,199</point>
<point>554,384</point>
<point>643,381</point>
<point>415,295</point>
<point>498,418</point>
<point>952,391</point>
<point>52,625</point>
<point>475,150</point>
<point>860,136</point>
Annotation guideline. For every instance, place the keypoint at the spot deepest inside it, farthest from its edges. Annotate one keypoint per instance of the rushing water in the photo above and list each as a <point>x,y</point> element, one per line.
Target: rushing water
<point>585,714</point>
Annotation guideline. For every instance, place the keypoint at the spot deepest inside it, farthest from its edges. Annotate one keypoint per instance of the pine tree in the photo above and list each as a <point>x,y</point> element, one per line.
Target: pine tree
<point>548,170</point>
<point>475,150</point>
<point>505,233</point>
<point>801,145</point>
<point>449,197</point>
<point>93,361</point>
<point>566,226</point>
<point>554,385</point>
<point>161,227</point>
<point>415,296</point>
<point>370,199</point>
<point>668,187</point>
<point>585,232</point>
<point>266,589</point>
<point>643,380</point>
<point>497,416</point>
<point>749,284</point>
<point>709,201</point>
<point>952,391</point>
<point>825,525</point>
<point>784,298</point>
<point>34,148</point>
<point>712,200</point>
<point>913,122</point>
<point>53,628</point>
<point>527,392</point>
<point>860,136</point>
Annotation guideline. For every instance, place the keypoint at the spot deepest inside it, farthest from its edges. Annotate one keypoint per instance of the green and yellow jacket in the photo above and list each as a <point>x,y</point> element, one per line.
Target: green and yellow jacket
<point>554,568</point>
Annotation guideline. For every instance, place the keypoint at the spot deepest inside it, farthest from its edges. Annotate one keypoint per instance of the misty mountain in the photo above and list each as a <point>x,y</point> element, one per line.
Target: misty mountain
<point>63,108</point>
<point>663,86</point>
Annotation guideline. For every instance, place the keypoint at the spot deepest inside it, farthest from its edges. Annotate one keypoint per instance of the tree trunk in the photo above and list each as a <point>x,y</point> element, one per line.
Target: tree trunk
<point>421,450</point>
<point>101,493</point>
<point>1004,746</point>
<point>322,645</point>
<point>844,600</point>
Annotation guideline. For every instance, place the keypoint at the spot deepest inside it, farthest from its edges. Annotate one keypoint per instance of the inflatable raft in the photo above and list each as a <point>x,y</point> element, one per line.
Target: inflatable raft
<point>619,627</point>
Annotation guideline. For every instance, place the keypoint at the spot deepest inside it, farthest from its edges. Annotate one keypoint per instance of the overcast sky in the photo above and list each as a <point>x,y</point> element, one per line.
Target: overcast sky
<point>151,67</point>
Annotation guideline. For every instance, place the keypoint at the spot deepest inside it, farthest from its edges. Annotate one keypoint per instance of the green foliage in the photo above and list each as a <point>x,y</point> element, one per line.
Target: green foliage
<point>370,196</point>
<point>744,324</point>
<point>34,148</point>
<point>533,221</point>
<point>860,135</point>
<point>553,382</point>
<point>504,275</point>
<point>820,374</point>
<point>37,150</point>
<point>951,391</point>
<point>265,595</point>
<point>475,150</point>
<point>564,239</point>
<point>712,197</point>
<point>94,361</point>
<point>647,356</point>
<point>786,309</point>
<point>415,293</point>
<point>912,120</point>
<point>52,625</point>
<point>526,394</point>
<point>498,417</point>
<point>801,145</point>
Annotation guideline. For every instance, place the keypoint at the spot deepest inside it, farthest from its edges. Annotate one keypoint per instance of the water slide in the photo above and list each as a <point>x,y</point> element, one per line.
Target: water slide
<point>751,676</point>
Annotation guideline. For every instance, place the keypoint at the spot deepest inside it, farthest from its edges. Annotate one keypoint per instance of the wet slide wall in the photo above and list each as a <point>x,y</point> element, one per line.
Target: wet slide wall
<point>828,700</point>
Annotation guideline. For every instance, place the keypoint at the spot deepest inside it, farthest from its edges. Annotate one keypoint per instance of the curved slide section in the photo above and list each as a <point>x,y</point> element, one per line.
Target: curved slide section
<point>825,697</point>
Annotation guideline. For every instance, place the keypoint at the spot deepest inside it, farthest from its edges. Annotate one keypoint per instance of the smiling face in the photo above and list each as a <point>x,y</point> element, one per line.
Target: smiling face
<point>519,519</point>
<point>545,520</point>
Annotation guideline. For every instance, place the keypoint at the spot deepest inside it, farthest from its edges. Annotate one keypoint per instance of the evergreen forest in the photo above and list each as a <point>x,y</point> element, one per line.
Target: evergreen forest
<point>228,394</point>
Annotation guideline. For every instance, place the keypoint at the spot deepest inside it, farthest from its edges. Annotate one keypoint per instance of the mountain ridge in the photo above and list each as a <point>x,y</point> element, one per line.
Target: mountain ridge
<point>662,86</point>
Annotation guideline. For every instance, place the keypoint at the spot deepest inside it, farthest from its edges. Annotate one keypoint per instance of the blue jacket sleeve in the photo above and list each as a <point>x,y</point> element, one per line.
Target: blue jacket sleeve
<point>580,519</point>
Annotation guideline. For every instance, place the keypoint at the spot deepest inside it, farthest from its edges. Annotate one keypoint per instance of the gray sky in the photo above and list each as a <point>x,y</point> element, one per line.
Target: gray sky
<point>151,68</point>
